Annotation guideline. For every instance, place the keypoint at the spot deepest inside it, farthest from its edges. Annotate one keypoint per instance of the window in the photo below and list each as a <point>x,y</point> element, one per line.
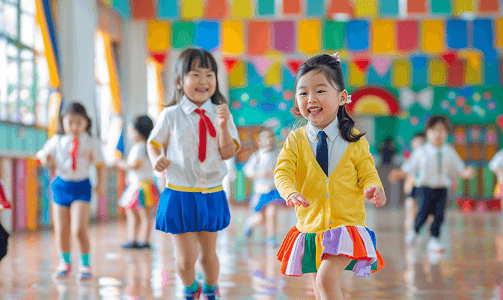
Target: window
<point>24,88</point>
<point>154,89</point>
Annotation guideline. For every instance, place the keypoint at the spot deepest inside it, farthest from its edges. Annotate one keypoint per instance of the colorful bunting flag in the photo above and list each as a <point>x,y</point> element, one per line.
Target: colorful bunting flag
<point>192,9</point>
<point>499,32</point>
<point>473,71</point>
<point>389,8</point>
<point>208,35</point>
<point>123,7</point>
<point>407,35</point>
<point>273,76</point>
<point>241,9</point>
<point>358,35</point>
<point>456,73</point>
<point>419,70</point>
<point>340,7</point>
<point>362,64</point>
<point>334,35</point>
<point>309,36</point>
<point>483,35</point>
<point>356,76</point>
<point>381,64</point>
<point>489,6</point>
<point>293,66</point>
<point>291,7</point>
<point>266,7</point>
<point>216,9</point>
<point>261,64</point>
<point>438,71</point>
<point>449,57</point>
<point>440,7</point>
<point>416,6</point>
<point>365,8</point>
<point>183,34</point>
<point>457,34</point>
<point>433,36</point>
<point>158,36</point>
<point>401,73</point>
<point>383,40</point>
<point>259,37</point>
<point>229,63</point>
<point>167,9</point>
<point>315,8</point>
<point>237,75</point>
<point>143,9</point>
<point>284,36</point>
<point>463,6</point>
<point>232,37</point>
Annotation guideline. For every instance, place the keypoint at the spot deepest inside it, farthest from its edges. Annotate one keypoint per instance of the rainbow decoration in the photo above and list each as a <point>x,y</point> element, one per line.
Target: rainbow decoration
<point>373,101</point>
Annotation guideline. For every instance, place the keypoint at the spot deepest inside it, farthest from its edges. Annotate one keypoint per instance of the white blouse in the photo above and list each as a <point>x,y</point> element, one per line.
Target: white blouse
<point>138,155</point>
<point>177,131</point>
<point>262,161</point>
<point>60,146</point>
<point>497,161</point>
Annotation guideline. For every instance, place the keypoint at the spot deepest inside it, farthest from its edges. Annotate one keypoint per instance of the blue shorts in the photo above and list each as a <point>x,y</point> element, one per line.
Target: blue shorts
<point>65,192</point>
<point>180,212</point>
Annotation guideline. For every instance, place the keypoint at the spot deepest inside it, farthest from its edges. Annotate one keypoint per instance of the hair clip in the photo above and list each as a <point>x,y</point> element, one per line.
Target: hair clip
<point>349,99</point>
<point>336,56</point>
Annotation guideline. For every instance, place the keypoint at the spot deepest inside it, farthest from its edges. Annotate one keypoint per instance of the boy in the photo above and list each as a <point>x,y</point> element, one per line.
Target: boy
<point>434,164</point>
<point>409,186</point>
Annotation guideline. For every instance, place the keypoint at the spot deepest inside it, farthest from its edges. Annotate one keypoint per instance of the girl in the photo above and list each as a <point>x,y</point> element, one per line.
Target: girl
<point>71,152</point>
<point>260,168</point>
<point>326,170</point>
<point>191,139</point>
<point>496,165</point>
<point>141,194</point>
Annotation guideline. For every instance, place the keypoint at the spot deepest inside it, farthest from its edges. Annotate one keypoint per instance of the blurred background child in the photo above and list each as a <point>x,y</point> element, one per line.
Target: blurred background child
<point>409,186</point>
<point>142,194</point>
<point>265,197</point>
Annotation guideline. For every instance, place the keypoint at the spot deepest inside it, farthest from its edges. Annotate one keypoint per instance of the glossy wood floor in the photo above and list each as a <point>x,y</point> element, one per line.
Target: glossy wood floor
<point>471,268</point>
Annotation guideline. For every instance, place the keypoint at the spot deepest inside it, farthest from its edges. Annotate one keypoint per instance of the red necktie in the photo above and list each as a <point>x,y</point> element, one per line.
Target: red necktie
<point>73,153</point>
<point>204,123</point>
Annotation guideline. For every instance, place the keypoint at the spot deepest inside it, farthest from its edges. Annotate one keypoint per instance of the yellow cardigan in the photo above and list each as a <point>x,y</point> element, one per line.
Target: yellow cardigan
<point>334,200</point>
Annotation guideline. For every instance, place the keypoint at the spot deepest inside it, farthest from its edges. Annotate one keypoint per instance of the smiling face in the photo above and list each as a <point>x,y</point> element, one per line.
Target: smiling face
<point>199,84</point>
<point>74,124</point>
<point>437,134</point>
<point>317,99</point>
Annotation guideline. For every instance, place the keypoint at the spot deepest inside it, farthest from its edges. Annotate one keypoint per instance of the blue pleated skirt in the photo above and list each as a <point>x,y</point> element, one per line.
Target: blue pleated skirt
<point>180,212</point>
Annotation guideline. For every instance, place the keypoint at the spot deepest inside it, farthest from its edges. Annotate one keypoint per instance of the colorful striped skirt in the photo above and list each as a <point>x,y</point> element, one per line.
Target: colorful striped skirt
<point>139,195</point>
<point>498,191</point>
<point>302,253</point>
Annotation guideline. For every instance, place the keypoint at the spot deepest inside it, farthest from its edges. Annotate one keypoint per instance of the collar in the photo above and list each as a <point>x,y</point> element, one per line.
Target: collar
<point>332,131</point>
<point>432,147</point>
<point>188,106</point>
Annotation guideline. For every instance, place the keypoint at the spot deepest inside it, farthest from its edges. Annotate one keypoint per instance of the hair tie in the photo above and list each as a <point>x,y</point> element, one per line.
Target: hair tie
<point>336,56</point>
<point>349,99</point>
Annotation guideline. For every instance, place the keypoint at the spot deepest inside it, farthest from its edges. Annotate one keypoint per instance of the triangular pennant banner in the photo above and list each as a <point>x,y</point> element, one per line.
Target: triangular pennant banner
<point>449,57</point>
<point>159,57</point>
<point>230,63</point>
<point>381,64</point>
<point>293,66</point>
<point>362,64</point>
<point>261,64</point>
<point>499,119</point>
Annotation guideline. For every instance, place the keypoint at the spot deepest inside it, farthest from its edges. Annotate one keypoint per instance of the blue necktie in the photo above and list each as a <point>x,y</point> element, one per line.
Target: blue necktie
<point>322,152</point>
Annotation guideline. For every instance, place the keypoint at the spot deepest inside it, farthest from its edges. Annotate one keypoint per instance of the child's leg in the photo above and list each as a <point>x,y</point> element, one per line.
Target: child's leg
<point>316,291</point>
<point>145,225</point>
<point>329,274</point>
<point>62,227</point>
<point>410,213</point>
<point>80,220</point>
<point>132,225</point>
<point>186,256</point>
<point>271,220</point>
<point>425,205</point>
<point>211,265</point>
<point>440,198</point>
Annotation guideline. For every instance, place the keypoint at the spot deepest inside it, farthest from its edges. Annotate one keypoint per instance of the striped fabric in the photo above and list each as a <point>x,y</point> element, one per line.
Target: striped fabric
<point>145,194</point>
<point>302,253</point>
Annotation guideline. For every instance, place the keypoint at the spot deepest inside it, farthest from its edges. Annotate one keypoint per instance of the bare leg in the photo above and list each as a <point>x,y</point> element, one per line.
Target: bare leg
<point>410,213</point>
<point>316,291</point>
<point>211,265</point>
<point>329,274</point>
<point>186,256</point>
<point>132,225</point>
<point>145,225</point>
<point>61,215</point>
<point>80,220</point>
<point>271,220</point>
<point>257,219</point>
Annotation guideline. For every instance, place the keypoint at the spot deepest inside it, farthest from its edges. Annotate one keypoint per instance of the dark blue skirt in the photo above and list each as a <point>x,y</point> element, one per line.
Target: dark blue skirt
<point>180,212</point>
<point>65,192</point>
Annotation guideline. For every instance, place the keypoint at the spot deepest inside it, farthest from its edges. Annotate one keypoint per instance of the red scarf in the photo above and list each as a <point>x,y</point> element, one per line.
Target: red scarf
<point>204,123</point>
<point>73,153</point>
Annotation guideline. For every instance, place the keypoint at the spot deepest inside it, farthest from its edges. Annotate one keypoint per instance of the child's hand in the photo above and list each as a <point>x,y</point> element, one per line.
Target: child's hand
<point>468,173</point>
<point>376,195</point>
<point>161,164</point>
<point>223,114</point>
<point>296,199</point>
<point>395,175</point>
<point>49,162</point>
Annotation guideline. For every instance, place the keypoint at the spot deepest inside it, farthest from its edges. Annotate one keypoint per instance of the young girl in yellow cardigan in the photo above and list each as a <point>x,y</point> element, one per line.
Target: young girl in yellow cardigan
<point>326,170</point>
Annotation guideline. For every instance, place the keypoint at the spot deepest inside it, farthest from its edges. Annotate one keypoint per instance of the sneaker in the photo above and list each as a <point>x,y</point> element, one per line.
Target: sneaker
<point>62,271</point>
<point>143,246</point>
<point>434,245</point>
<point>211,295</point>
<point>272,242</point>
<point>189,295</point>
<point>130,245</point>
<point>410,237</point>
<point>84,273</point>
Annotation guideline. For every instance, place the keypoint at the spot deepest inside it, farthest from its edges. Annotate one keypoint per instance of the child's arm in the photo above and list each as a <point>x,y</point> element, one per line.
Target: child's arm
<point>100,186</point>
<point>124,166</point>
<point>158,139</point>
<point>460,169</point>
<point>248,168</point>
<point>46,155</point>
<point>467,173</point>
<point>410,168</point>
<point>367,175</point>
<point>226,144</point>
<point>158,161</point>
<point>284,174</point>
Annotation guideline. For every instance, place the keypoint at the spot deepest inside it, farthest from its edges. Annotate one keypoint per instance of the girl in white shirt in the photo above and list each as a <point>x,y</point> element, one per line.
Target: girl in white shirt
<point>70,153</point>
<point>265,197</point>
<point>141,194</point>
<point>191,139</point>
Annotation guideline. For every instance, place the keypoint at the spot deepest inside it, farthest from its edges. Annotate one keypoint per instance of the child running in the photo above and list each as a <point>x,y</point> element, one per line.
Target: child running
<point>433,164</point>
<point>191,139</point>
<point>141,195</point>
<point>326,170</point>
<point>71,152</point>
<point>409,186</point>
<point>265,197</point>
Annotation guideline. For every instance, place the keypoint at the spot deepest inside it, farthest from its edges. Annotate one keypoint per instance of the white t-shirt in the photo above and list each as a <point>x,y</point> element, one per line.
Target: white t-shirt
<point>138,155</point>
<point>262,161</point>
<point>177,130</point>
<point>424,162</point>
<point>60,146</point>
<point>497,161</point>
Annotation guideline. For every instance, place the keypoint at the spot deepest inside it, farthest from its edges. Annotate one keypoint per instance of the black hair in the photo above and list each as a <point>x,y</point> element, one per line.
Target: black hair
<point>144,125</point>
<point>433,120</point>
<point>266,129</point>
<point>420,134</point>
<point>74,108</point>
<point>188,59</point>
<point>331,68</point>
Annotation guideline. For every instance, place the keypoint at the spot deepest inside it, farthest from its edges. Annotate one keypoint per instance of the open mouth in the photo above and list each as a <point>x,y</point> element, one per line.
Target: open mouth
<point>314,111</point>
<point>202,90</point>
